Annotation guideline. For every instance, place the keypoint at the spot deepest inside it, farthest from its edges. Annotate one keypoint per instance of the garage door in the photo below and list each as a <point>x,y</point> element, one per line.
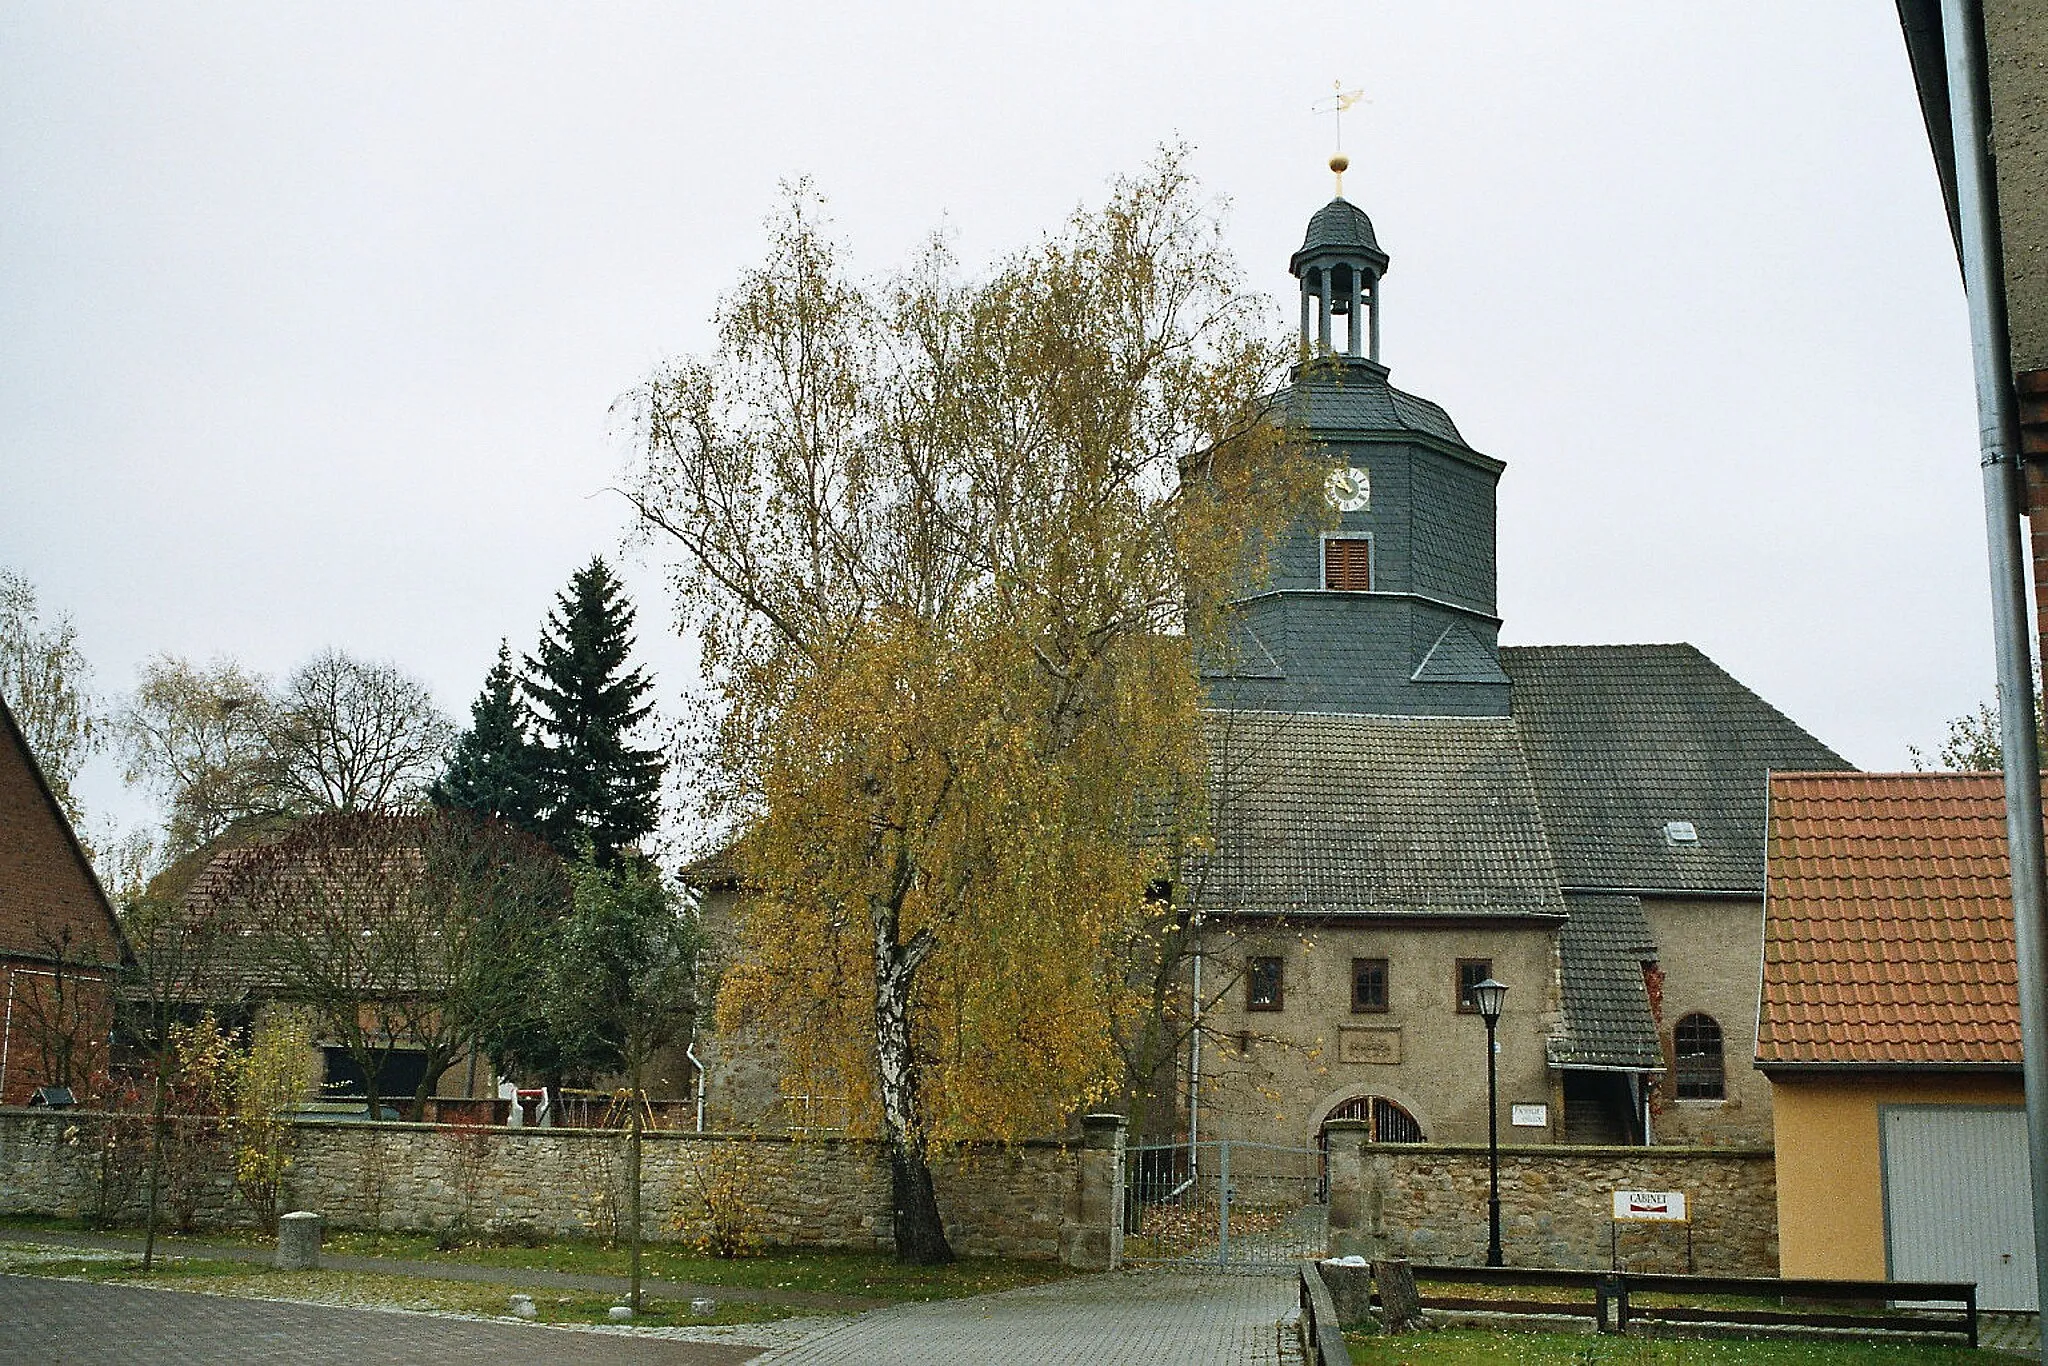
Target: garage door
<point>1956,1206</point>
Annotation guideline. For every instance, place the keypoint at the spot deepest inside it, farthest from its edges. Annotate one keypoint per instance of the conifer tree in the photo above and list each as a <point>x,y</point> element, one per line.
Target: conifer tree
<point>599,787</point>
<point>494,768</point>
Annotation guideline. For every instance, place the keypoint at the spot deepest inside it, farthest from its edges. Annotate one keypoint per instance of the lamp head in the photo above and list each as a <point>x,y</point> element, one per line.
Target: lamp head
<point>1489,996</point>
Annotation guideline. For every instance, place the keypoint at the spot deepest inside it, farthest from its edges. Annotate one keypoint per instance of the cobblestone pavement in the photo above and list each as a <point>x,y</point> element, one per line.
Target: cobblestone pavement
<point>76,1323</point>
<point>1119,1319</point>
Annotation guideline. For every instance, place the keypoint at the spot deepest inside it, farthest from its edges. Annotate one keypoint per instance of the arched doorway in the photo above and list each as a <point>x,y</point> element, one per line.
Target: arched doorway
<point>1390,1123</point>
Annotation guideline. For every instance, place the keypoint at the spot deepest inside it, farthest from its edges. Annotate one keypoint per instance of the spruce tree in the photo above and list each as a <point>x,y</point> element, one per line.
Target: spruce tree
<point>600,788</point>
<point>494,767</point>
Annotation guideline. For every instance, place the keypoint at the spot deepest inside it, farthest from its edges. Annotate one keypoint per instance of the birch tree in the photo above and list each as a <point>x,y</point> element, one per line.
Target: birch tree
<point>953,547</point>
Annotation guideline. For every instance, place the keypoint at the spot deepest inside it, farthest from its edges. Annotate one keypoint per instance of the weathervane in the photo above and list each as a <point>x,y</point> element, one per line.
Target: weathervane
<point>1334,105</point>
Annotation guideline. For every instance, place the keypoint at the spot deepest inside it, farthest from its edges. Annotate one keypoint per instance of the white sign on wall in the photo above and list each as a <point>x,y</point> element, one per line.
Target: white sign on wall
<point>1667,1207</point>
<point>1529,1116</point>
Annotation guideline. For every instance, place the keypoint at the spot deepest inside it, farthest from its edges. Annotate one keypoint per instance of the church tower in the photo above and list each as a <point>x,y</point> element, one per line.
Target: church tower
<point>1390,611</point>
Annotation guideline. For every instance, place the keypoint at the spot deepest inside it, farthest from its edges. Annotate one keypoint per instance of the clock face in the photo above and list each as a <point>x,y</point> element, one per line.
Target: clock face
<point>1349,490</point>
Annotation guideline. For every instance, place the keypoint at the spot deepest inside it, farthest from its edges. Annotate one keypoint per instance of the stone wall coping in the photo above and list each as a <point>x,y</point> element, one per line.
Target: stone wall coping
<point>315,1125</point>
<point>1578,1150</point>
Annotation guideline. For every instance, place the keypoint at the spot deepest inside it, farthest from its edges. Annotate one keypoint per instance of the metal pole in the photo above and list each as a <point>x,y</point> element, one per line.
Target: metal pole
<point>1493,1256</point>
<point>1962,24</point>
<point>1223,1203</point>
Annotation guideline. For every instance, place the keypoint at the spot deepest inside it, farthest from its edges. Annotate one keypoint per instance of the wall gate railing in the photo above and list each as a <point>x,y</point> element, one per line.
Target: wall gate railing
<point>1228,1205</point>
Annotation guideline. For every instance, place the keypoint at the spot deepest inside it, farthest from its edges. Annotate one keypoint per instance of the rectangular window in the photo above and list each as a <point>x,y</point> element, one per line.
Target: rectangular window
<point>1347,564</point>
<point>1368,985</point>
<point>1471,972</point>
<point>1262,984</point>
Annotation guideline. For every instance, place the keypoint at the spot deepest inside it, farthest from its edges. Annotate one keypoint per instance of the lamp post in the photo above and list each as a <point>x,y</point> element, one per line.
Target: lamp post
<point>1489,996</point>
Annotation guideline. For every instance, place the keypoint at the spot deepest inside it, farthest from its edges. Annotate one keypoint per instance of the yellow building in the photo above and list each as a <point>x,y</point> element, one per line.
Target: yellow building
<point>1889,1030</point>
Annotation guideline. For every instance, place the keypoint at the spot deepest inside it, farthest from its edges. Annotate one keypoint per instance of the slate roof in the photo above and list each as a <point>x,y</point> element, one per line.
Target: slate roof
<point>1339,225</point>
<point>1888,935</point>
<point>1606,1004</point>
<point>1318,814</point>
<point>1624,738</point>
<point>1353,398</point>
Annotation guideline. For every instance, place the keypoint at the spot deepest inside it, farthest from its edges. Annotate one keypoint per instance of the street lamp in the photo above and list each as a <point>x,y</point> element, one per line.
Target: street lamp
<point>1489,996</point>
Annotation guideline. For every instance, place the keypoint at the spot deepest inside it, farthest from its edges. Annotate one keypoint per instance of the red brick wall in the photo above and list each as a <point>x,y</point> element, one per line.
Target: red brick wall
<point>47,896</point>
<point>45,887</point>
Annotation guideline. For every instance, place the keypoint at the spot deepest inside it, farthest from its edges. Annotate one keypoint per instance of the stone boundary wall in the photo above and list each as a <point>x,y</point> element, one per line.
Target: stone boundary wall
<point>1428,1202</point>
<point>1021,1200</point>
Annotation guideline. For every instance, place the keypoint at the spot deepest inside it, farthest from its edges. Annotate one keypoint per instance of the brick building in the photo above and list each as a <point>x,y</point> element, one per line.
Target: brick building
<point>59,941</point>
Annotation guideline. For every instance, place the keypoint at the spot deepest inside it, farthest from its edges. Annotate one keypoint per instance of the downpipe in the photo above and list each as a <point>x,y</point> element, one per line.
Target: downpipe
<point>1962,26</point>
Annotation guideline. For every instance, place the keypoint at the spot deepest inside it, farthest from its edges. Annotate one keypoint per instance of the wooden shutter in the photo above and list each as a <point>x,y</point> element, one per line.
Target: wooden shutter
<point>1347,564</point>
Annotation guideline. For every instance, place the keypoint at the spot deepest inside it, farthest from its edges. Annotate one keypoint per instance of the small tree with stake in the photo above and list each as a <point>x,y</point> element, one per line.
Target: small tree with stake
<point>622,986</point>
<point>177,969</point>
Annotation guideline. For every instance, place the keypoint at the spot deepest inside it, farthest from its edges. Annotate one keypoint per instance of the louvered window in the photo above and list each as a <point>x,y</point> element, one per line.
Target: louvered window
<point>1347,564</point>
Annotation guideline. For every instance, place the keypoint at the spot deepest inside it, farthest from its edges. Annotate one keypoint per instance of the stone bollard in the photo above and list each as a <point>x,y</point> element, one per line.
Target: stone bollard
<point>298,1242</point>
<point>1094,1237</point>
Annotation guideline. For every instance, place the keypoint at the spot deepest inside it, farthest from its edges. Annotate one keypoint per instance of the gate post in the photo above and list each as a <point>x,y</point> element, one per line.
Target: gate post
<point>1094,1238</point>
<point>1354,1198</point>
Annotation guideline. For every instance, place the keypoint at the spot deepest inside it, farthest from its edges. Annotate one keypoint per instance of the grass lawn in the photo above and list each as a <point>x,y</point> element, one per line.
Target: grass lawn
<point>864,1275</point>
<point>1470,1347</point>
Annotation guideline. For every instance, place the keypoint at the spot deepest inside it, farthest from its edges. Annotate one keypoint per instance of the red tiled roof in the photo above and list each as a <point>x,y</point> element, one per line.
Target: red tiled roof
<point>1888,934</point>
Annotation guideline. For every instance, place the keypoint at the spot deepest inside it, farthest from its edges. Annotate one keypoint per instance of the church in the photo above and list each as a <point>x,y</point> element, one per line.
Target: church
<point>1404,808</point>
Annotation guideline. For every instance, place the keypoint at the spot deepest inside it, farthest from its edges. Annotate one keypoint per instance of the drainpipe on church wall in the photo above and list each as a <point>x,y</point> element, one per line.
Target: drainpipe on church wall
<point>1962,25</point>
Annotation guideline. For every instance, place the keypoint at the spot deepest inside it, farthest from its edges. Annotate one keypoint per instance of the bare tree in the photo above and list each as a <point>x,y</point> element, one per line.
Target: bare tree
<point>45,681</point>
<point>67,1008</point>
<point>355,735</point>
<point>198,737</point>
<point>380,925</point>
<point>218,744</point>
<point>181,967</point>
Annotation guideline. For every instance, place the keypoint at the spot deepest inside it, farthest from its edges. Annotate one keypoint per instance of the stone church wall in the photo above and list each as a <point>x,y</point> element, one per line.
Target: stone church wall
<point>1711,953</point>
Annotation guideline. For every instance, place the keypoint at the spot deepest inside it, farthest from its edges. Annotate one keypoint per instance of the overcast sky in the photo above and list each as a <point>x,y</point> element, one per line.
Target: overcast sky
<point>311,318</point>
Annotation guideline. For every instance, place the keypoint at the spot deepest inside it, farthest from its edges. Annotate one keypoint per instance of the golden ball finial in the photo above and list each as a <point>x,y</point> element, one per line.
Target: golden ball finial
<point>1340,163</point>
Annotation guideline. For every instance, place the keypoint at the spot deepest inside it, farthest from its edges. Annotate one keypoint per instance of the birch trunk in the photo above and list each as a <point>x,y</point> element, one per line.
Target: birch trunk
<point>920,1232</point>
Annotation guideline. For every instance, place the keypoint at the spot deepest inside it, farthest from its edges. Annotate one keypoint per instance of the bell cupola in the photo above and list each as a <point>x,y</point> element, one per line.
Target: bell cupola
<point>1340,266</point>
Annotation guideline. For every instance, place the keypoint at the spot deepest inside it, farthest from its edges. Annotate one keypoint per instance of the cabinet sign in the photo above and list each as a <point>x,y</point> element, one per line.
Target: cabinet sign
<point>1651,1206</point>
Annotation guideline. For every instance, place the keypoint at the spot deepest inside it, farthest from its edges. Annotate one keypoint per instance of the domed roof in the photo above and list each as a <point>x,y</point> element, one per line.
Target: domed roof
<point>1339,226</point>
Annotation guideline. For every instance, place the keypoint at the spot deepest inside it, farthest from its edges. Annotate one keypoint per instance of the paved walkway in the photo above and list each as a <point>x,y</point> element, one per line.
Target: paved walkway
<point>1125,1318</point>
<point>76,1323</point>
<point>2017,1334</point>
<point>517,1277</point>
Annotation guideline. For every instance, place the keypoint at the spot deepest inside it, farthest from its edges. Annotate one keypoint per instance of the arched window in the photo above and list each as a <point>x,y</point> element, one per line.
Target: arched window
<point>1390,1123</point>
<point>1697,1042</point>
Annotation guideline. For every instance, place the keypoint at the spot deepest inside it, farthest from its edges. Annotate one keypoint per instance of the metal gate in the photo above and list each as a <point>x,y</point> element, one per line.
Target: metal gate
<point>1244,1206</point>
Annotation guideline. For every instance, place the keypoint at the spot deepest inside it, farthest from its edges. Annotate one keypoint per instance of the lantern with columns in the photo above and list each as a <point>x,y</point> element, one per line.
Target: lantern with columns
<point>1340,266</point>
